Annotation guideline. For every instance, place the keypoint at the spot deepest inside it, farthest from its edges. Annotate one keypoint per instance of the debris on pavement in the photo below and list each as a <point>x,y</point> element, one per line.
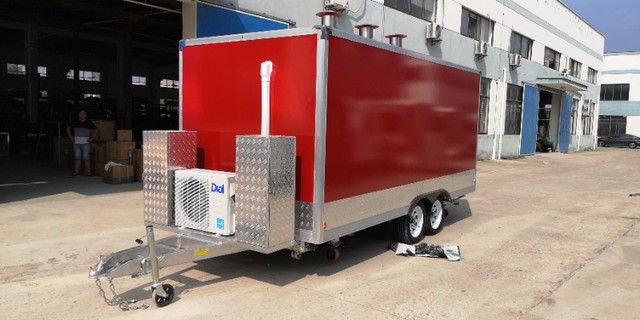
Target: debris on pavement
<point>452,253</point>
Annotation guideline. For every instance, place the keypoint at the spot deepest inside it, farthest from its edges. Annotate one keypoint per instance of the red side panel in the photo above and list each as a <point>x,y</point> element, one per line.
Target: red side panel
<point>221,99</point>
<point>393,120</point>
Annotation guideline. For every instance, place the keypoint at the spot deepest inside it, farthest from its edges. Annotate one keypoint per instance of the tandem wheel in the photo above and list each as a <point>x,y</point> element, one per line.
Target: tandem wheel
<point>165,300</point>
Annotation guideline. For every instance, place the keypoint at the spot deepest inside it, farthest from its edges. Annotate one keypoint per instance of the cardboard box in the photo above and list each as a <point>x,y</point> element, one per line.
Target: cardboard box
<point>125,135</point>
<point>119,150</point>
<point>119,174</point>
<point>98,168</point>
<point>107,130</point>
<point>100,152</point>
<point>62,151</point>
<point>137,165</point>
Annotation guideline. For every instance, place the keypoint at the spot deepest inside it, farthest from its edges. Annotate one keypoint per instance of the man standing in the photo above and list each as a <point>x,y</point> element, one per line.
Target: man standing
<point>81,138</point>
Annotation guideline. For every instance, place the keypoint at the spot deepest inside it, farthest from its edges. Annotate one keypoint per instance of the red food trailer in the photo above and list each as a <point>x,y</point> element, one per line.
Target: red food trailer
<point>355,133</point>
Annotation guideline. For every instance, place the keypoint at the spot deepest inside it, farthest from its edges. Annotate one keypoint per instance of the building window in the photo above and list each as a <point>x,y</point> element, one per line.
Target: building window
<point>574,115</point>
<point>138,81</point>
<point>614,92</point>
<point>611,125</point>
<point>476,26</point>
<point>551,59</point>
<point>42,71</point>
<point>14,68</point>
<point>85,75</point>
<point>513,116</point>
<point>90,95</point>
<point>520,45</point>
<point>21,69</point>
<point>483,112</point>
<point>168,83</point>
<point>575,68</point>
<point>587,117</point>
<point>592,76</point>
<point>423,9</point>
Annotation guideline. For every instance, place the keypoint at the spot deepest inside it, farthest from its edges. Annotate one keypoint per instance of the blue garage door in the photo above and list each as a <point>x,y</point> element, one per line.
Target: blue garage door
<point>565,123</point>
<point>216,21</point>
<point>529,120</point>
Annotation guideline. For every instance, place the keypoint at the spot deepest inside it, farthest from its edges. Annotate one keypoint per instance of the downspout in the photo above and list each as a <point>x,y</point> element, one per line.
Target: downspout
<point>504,91</point>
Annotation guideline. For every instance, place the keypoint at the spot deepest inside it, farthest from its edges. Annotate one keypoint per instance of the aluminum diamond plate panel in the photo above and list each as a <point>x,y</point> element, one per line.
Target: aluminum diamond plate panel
<point>164,152</point>
<point>265,190</point>
<point>304,215</point>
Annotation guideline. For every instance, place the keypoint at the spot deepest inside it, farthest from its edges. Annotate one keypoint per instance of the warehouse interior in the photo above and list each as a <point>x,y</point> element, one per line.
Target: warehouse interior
<point>116,59</point>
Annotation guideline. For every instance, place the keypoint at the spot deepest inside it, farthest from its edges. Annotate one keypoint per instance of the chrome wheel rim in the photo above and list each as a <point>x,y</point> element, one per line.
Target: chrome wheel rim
<point>416,221</point>
<point>436,214</point>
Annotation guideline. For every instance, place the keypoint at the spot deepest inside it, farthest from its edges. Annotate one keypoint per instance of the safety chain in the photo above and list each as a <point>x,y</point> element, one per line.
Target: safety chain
<point>125,305</point>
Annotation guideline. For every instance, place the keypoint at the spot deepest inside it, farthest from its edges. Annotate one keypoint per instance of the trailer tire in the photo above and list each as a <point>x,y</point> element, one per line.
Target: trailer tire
<point>434,216</point>
<point>163,301</point>
<point>410,227</point>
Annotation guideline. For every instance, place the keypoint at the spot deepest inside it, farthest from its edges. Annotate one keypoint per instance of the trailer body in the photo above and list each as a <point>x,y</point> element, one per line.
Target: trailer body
<point>361,132</point>
<point>376,126</point>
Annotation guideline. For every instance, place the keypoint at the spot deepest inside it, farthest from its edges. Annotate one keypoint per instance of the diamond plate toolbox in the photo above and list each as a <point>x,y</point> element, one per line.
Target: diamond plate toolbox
<point>265,190</point>
<point>164,152</point>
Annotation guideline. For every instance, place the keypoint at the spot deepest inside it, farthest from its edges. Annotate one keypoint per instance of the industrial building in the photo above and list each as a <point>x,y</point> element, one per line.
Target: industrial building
<point>541,62</point>
<point>620,94</point>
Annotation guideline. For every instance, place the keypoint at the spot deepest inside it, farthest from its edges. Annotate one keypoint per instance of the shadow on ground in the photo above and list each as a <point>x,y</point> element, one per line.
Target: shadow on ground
<point>23,179</point>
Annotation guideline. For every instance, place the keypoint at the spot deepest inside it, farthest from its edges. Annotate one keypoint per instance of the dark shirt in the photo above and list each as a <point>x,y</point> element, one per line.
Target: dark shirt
<point>82,131</point>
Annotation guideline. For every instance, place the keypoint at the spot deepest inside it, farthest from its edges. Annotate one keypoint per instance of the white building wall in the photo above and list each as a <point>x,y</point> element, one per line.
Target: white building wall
<point>623,68</point>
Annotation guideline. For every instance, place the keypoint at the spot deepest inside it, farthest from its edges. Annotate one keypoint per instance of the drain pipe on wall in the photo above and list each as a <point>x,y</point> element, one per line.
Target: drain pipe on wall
<point>503,115</point>
<point>265,72</point>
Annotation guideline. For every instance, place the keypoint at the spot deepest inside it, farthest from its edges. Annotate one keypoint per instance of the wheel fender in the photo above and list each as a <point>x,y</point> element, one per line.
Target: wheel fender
<point>441,194</point>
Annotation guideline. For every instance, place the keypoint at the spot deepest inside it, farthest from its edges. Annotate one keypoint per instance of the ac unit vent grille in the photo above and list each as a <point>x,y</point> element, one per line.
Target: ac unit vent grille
<point>192,202</point>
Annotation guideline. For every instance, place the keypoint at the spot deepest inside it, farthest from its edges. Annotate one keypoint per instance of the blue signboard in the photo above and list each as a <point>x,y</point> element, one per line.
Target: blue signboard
<point>217,21</point>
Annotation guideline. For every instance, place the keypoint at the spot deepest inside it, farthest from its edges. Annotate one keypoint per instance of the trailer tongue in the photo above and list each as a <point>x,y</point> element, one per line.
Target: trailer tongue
<point>352,133</point>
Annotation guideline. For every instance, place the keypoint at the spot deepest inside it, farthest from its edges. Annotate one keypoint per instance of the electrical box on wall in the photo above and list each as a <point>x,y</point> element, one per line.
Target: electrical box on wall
<point>337,4</point>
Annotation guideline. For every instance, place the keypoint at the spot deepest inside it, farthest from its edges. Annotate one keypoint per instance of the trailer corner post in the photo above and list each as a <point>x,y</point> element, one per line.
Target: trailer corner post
<point>265,72</point>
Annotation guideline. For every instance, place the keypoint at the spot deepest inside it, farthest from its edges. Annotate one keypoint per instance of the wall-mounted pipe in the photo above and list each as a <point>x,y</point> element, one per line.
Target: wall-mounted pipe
<point>265,72</point>
<point>329,18</point>
<point>366,30</point>
<point>396,39</point>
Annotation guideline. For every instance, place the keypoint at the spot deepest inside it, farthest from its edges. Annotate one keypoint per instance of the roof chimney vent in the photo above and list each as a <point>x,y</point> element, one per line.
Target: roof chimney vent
<point>396,39</point>
<point>366,30</point>
<point>329,18</point>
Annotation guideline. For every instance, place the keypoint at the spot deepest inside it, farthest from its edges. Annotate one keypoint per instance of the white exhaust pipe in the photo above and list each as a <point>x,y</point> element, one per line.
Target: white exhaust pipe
<point>265,72</point>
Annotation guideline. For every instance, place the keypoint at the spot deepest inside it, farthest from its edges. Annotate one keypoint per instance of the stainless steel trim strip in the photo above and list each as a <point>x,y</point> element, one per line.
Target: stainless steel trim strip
<point>322,68</point>
<point>354,210</point>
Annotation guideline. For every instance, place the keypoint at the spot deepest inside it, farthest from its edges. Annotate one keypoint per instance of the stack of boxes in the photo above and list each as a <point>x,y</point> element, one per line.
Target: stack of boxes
<point>110,145</point>
<point>122,151</point>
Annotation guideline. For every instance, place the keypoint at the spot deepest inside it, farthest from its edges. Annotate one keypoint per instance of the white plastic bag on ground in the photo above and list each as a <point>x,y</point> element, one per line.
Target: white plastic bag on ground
<point>452,253</point>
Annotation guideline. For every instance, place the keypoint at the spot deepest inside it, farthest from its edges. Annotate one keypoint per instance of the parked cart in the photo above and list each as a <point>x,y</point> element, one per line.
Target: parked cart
<point>295,138</point>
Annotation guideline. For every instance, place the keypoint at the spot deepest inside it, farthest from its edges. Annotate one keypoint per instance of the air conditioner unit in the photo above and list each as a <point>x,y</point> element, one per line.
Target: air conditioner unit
<point>204,200</point>
<point>337,4</point>
<point>434,32</point>
<point>514,59</point>
<point>481,48</point>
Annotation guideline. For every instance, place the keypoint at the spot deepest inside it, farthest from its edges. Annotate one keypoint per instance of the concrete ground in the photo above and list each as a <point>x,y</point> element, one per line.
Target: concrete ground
<point>551,236</point>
